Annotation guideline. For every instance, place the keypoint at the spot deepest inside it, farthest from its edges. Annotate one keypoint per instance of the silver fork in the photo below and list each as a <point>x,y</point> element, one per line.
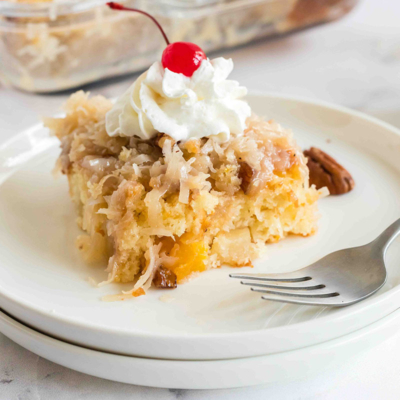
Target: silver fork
<point>341,278</point>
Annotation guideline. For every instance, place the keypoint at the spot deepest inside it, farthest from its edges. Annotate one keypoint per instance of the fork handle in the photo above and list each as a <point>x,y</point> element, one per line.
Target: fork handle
<point>384,240</point>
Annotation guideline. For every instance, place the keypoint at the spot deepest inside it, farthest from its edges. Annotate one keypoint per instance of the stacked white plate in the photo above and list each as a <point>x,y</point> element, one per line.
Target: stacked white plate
<point>211,332</point>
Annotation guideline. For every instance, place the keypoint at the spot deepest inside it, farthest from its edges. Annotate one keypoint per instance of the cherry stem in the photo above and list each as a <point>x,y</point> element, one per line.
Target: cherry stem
<point>120,7</point>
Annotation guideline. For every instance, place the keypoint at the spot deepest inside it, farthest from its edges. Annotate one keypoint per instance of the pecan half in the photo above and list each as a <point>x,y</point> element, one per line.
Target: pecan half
<point>246,174</point>
<point>164,278</point>
<point>325,171</point>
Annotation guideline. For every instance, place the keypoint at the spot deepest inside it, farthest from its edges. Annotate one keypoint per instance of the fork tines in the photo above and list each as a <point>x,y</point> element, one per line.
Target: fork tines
<point>289,288</point>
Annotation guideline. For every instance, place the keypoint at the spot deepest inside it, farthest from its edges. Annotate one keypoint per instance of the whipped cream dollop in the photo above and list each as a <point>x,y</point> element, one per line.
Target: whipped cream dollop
<point>206,104</point>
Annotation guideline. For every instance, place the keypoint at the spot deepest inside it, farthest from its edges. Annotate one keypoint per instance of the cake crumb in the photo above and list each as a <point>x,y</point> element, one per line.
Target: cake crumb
<point>92,281</point>
<point>166,298</point>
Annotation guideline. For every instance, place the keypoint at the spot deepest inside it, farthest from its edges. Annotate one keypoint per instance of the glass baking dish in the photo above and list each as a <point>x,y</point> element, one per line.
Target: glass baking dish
<point>47,46</point>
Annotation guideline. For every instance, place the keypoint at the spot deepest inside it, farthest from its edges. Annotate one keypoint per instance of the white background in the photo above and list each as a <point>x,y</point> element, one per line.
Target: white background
<point>354,62</point>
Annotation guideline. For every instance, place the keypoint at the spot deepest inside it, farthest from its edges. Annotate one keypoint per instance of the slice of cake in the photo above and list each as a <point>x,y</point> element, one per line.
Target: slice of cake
<point>179,177</point>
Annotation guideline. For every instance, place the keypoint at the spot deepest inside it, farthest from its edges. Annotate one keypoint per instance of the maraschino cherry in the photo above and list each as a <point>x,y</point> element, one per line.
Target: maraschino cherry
<point>182,57</point>
<point>179,57</point>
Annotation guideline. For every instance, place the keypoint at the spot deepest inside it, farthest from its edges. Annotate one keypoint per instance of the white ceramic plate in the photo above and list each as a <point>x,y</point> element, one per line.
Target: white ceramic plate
<point>45,284</point>
<point>212,374</point>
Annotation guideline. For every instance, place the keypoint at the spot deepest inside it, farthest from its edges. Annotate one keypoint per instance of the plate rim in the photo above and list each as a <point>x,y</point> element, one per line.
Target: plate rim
<point>22,334</point>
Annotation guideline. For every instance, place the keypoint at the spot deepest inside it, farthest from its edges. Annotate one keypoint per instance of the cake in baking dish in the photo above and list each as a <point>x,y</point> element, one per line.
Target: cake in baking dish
<point>178,176</point>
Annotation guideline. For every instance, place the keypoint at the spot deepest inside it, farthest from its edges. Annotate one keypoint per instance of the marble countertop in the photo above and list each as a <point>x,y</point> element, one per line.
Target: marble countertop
<point>354,62</point>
